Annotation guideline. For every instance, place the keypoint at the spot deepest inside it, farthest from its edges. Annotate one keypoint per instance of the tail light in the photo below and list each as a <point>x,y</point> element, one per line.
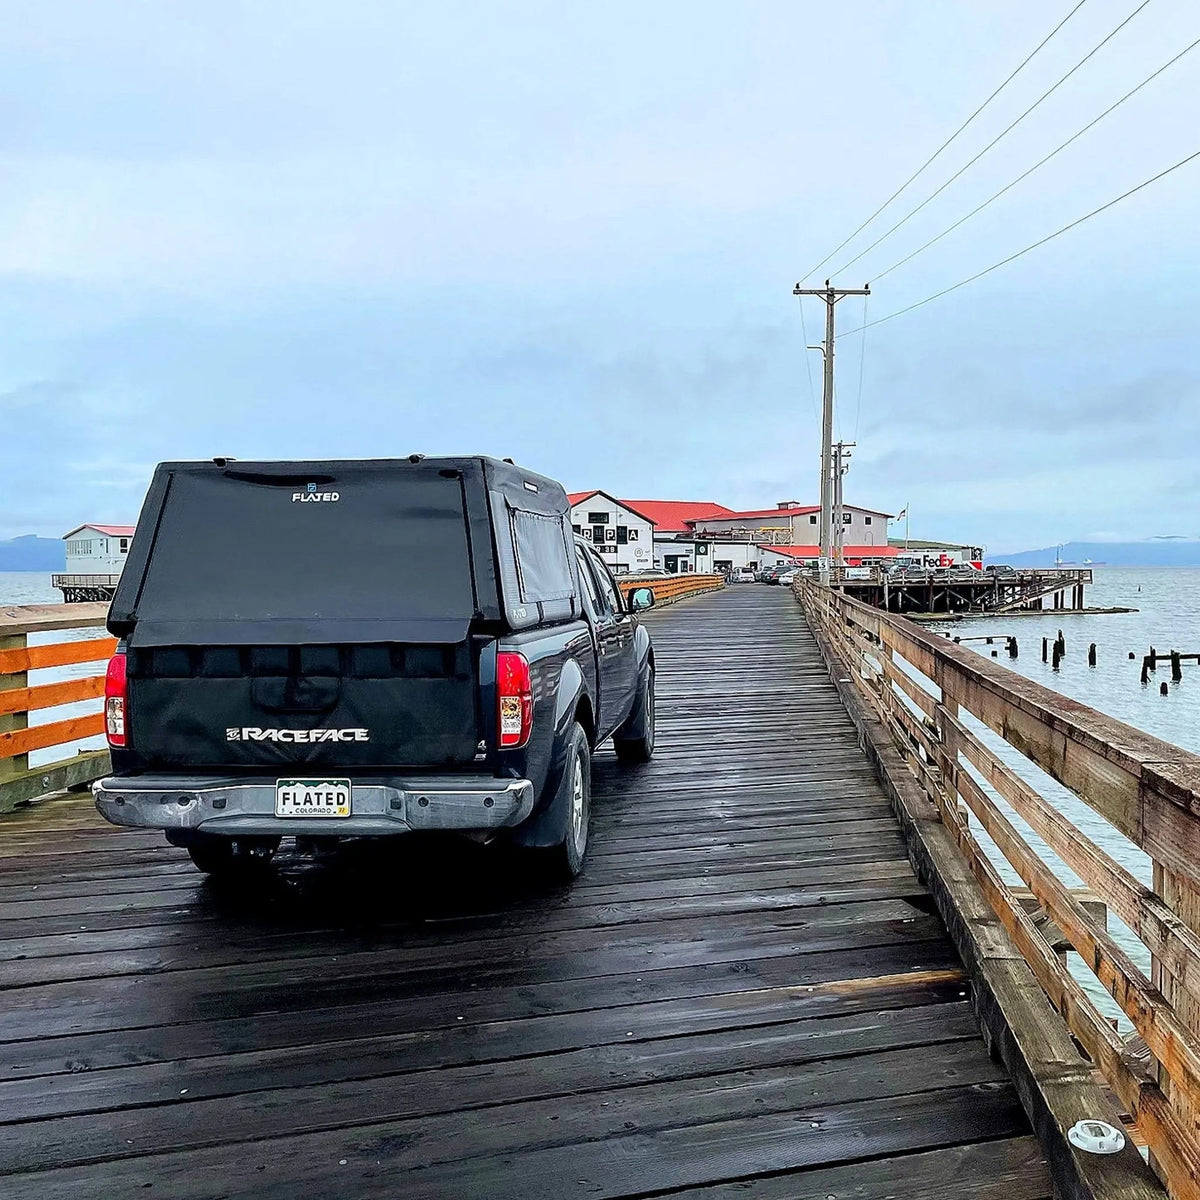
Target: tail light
<point>116,707</point>
<point>515,699</point>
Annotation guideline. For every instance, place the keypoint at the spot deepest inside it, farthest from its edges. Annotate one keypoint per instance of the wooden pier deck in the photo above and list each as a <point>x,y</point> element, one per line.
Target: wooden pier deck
<point>745,995</point>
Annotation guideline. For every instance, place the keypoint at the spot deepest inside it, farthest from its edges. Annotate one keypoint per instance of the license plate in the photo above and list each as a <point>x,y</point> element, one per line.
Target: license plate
<point>312,798</point>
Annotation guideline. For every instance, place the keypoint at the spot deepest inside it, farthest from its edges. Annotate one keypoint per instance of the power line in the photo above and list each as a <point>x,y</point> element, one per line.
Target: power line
<point>862,358</point>
<point>1004,133</point>
<point>1041,242</point>
<point>1024,62</point>
<point>812,396</point>
<point>1040,162</point>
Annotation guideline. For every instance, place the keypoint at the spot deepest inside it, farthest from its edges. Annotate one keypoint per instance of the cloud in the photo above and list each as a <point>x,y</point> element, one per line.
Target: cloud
<point>570,234</point>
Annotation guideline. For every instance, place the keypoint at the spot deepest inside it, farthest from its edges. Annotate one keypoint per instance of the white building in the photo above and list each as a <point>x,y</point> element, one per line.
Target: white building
<point>624,536</point>
<point>97,549</point>
<point>681,536</point>
<point>796,524</point>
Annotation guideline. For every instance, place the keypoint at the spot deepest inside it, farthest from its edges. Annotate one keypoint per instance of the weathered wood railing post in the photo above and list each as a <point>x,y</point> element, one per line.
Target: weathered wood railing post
<point>1183,899</point>
<point>10,722</point>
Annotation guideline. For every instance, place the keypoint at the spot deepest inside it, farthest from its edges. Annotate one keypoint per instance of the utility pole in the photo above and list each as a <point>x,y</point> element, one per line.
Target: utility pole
<point>831,296</point>
<point>841,464</point>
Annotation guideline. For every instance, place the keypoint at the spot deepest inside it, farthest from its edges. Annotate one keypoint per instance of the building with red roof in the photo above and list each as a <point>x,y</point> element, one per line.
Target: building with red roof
<point>677,516</point>
<point>95,558</point>
<point>702,535</point>
<point>852,556</point>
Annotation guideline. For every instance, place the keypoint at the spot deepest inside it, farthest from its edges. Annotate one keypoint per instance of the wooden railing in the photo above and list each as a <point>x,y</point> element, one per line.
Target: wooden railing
<point>19,698</point>
<point>672,587</point>
<point>920,685</point>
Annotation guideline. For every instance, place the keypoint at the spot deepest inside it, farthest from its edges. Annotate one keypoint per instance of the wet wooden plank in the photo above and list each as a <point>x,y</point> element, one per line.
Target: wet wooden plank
<point>747,986</point>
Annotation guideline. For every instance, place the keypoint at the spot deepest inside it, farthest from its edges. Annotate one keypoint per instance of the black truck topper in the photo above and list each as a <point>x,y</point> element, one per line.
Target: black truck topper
<point>330,551</point>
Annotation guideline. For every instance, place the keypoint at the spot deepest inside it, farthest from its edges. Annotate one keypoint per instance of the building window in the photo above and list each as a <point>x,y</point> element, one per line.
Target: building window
<point>812,520</point>
<point>577,529</point>
<point>124,545</point>
<point>866,520</point>
<point>622,534</point>
<point>598,518</point>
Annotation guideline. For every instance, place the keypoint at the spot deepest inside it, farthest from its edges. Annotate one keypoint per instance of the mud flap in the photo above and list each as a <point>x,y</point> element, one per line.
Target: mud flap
<point>548,826</point>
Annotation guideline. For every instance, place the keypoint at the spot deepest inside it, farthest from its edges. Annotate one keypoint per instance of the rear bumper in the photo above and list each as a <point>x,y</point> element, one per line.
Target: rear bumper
<point>379,806</point>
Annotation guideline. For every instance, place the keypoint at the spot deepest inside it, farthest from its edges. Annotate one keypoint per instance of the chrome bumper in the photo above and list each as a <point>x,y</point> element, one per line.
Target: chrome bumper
<point>379,807</point>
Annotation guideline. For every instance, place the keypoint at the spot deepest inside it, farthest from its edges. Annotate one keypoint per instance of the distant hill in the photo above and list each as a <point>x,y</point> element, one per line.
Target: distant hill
<point>1152,552</point>
<point>32,553</point>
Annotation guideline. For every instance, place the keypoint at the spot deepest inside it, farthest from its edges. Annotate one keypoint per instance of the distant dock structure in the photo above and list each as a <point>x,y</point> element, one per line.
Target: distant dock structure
<point>96,556</point>
<point>967,591</point>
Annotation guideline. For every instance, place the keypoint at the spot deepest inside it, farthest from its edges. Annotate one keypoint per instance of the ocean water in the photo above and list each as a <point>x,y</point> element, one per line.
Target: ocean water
<point>1167,600</point>
<point>1168,617</point>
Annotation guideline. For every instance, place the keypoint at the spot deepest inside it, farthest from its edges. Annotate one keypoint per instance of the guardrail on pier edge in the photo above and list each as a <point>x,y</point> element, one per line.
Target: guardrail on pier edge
<point>1146,788</point>
<point>18,700</point>
<point>673,587</point>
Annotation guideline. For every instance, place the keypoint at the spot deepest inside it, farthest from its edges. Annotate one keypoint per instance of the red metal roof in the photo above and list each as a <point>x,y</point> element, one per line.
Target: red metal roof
<point>667,516</point>
<point>107,530</point>
<point>673,516</point>
<point>847,551</point>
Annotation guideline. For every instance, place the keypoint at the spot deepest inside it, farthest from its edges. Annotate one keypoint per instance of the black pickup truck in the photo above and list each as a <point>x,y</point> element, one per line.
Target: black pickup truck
<point>366,648</point>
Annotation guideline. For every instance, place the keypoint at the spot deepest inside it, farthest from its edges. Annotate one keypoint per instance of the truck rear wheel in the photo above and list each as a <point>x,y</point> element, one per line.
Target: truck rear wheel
<point>566,859</point>
<point>638,748</point>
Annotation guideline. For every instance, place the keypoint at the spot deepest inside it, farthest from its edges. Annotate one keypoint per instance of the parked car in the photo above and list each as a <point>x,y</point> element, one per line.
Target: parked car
<point>361,649</point>
<point>743,575</point>
<point>772,573</point>
<point>786,579</point>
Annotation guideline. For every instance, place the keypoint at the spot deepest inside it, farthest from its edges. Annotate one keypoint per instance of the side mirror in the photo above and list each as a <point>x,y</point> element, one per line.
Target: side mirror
<point>641,598</point>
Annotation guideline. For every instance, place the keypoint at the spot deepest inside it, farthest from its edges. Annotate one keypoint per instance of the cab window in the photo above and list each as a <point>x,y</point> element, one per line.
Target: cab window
<point>608,588</point>
<point>589,584</point>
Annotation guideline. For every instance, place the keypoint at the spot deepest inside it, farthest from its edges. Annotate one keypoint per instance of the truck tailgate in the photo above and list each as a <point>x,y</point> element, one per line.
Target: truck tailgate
<point>342,706</point>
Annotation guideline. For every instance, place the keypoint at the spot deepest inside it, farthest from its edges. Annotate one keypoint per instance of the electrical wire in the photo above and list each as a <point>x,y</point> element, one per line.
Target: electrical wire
<point>1041,162</point>
<point>1024,62</point>
<point>1004,133</point>
<point>1033,246</point>
<point>812,396</point>
<point>862,358</point>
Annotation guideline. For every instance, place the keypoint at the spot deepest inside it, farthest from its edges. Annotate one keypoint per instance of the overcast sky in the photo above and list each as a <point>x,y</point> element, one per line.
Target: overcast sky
<point>568,233</point>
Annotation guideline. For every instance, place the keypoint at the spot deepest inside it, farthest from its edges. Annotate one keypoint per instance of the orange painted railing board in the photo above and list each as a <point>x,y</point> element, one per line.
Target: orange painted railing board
<point>57,733</point>
<point>47,695</point>
<point>61,654</point>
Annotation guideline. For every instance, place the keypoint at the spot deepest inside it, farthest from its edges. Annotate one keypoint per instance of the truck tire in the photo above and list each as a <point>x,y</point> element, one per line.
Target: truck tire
<point>634,741</point>
<point>565,860</point>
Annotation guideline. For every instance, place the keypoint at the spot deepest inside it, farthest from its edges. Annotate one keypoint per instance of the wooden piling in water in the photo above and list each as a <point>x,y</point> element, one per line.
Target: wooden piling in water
<point>1176,668</point>
<point>1092,655</point>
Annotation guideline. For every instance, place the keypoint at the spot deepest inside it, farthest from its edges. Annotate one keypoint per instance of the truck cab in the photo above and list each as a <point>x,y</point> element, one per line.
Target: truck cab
<point>343,649</point>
